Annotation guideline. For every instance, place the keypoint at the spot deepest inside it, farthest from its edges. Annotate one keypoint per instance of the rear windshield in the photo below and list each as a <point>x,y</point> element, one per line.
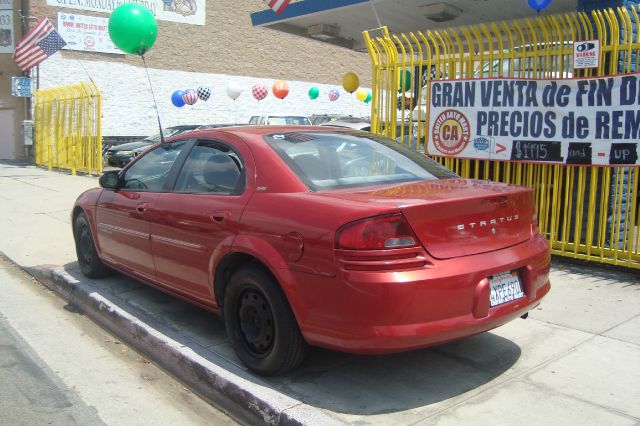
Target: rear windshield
<point>327,160</point>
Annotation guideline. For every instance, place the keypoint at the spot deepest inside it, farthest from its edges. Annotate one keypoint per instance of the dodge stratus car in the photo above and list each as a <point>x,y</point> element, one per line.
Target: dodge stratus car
<point>316,236</point>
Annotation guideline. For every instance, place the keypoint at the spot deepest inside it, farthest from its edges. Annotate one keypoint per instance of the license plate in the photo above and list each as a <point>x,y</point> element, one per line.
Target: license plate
<point>505,287</point>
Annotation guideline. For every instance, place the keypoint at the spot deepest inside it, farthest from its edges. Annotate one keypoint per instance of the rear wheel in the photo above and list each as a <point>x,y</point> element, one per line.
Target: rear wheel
<point>90,263</point>
<point>260,324</point>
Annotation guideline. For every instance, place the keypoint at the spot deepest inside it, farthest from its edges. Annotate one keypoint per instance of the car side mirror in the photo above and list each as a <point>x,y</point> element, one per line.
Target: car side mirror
<point>110,180</point>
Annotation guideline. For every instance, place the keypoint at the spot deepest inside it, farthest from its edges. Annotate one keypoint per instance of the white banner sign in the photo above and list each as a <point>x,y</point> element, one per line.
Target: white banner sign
<point>6,4</point>
<point>183,11</point>
<point>86,33</point>
<point>570,121</point>
<point>6,31</point>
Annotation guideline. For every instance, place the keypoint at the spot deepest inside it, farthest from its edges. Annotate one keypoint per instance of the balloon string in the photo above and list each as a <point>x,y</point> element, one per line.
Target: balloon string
<point>155,104</point>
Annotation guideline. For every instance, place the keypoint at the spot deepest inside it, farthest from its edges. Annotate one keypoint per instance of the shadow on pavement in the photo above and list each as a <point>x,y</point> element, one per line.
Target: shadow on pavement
<point>601,271</point>
<point>330,380</point>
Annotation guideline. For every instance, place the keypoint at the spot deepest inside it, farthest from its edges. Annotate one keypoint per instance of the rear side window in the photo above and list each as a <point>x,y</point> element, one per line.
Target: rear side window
<point>211,167</point>
<point>328,160</point>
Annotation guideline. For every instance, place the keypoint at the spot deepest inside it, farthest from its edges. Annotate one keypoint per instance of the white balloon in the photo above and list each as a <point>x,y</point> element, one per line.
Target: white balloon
<point>234,90</point>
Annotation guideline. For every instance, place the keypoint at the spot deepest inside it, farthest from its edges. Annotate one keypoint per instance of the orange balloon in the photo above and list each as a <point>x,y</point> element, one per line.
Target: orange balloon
<point>280,89</point>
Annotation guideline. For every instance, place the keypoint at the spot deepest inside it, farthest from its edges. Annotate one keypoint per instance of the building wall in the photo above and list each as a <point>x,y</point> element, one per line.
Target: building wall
<point>226,49</point>
<point>13,110</point>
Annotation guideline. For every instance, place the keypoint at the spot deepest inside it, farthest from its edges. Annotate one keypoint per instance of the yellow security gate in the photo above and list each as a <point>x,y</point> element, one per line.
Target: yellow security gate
<point>68,128</point>
<point>586,212</point>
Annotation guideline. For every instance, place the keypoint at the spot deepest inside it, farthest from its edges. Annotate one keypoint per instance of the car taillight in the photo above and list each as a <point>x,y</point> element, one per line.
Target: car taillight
<point>380,232</point>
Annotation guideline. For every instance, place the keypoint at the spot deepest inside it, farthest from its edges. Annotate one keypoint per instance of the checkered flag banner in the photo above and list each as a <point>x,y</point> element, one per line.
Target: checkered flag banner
<point>278,6</point>
<point>39,43</point>
<point>204,93</point>
<point>259,91</point>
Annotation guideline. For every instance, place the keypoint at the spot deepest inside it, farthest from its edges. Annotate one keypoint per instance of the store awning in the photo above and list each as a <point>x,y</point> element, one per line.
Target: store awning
<point>341,22</point>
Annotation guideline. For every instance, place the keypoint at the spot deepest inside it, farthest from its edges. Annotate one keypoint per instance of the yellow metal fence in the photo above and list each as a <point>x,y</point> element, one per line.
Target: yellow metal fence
<point>68,128</point>
<point>585,212</point>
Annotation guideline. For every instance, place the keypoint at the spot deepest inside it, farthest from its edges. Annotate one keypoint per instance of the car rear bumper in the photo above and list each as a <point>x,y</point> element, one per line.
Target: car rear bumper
<point>385,312</point>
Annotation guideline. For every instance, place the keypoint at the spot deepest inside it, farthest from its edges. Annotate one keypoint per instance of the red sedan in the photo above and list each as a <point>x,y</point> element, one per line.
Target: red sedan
<point>316,236</point>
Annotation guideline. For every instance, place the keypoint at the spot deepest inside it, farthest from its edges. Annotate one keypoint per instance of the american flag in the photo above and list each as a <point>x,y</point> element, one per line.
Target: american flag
<point>278,5</point>
<point>39,43</point>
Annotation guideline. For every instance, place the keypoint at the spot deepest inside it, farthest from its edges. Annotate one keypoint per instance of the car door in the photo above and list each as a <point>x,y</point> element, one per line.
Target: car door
<point>123,215</point>
<point>197,221</point>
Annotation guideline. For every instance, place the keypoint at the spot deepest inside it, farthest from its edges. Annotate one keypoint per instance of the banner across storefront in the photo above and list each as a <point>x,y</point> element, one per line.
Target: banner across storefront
<point>590,121</point>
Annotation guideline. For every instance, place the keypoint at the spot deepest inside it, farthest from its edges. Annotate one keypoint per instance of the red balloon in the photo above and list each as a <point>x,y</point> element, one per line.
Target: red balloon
<point>280,89</point>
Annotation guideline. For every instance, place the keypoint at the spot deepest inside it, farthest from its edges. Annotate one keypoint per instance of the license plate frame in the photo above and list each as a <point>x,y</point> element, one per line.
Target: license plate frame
<point>504,288</point>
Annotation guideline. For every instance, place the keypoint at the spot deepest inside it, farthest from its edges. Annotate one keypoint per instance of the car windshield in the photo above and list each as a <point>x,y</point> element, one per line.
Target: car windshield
<point>328,160</point>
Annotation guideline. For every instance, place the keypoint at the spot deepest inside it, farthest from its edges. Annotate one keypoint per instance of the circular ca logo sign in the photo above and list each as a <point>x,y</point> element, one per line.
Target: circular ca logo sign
<point>451,132</point>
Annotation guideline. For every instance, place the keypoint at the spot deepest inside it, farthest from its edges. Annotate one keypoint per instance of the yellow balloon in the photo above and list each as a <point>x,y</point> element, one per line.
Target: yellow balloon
<point>350,82</point>
<point>361,95</point>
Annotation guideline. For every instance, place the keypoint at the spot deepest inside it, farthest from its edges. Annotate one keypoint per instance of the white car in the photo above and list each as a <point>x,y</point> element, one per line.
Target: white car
<point>283,119</point>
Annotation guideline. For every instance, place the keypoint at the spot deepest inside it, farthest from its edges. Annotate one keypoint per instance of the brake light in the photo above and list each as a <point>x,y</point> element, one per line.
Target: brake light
<point>380,232</point>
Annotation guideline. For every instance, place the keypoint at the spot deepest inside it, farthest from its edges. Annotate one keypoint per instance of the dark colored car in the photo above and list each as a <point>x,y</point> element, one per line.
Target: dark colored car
<point>309,235</point>
<point>121,155</point>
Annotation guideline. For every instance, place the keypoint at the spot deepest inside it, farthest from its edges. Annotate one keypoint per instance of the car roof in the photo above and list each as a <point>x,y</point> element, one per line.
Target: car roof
<point>251,131</point>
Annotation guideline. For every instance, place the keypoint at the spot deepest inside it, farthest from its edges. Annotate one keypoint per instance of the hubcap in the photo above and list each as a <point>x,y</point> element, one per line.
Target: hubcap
<point>256,322</point>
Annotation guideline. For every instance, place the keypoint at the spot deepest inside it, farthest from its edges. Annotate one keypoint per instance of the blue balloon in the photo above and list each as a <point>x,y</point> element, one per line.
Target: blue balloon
<point>539,4</point>
<point>176,98</point>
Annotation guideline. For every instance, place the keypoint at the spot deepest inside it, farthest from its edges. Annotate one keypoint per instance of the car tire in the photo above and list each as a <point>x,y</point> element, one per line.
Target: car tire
<point>260,324</point>
<point>90,264</point>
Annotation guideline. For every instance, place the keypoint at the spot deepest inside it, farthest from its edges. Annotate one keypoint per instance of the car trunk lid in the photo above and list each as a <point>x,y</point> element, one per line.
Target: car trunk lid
<point>459,217</point>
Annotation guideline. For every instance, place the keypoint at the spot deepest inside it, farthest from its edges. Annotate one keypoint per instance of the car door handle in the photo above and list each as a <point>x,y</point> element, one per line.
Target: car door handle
<point>219,216</point>
<point>142,207</point>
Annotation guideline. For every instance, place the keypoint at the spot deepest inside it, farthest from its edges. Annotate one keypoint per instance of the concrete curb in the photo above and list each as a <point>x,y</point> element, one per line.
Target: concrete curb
<point>244,396</point>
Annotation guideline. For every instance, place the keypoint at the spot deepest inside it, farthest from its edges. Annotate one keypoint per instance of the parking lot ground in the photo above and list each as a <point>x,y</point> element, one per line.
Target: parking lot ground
<point>575,360</point>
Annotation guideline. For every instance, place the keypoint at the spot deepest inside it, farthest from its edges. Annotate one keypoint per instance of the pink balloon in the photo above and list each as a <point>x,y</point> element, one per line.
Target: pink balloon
<point>259,91</point>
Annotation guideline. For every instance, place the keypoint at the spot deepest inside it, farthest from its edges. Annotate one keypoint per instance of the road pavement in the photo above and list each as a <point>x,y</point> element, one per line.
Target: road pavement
<point>575,360</point>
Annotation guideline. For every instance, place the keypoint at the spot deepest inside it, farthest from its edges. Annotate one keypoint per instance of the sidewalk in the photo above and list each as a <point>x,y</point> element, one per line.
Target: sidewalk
<point>576,360</point>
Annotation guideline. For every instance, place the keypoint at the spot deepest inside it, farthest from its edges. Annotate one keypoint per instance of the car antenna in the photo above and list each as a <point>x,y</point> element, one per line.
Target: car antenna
<point>155,104</point>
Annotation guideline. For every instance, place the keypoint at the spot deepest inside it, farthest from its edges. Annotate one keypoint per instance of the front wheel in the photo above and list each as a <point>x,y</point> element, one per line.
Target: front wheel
<point>262,329</point>
<point>90,264</point>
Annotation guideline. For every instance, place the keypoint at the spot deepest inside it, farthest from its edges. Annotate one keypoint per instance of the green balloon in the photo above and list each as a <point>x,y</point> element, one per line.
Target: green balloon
<point>133,28</point>
<point>405,81</point>
<point>368,98</point>
<point>314,92</point>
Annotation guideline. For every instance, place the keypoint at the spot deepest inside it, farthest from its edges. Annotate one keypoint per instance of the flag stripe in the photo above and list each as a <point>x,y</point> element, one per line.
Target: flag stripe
<point>278,5</point>
<point>38,32</point>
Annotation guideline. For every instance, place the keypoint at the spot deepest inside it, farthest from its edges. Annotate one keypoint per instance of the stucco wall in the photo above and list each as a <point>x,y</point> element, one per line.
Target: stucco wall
<point>227,48</point>
<point>128,104</point>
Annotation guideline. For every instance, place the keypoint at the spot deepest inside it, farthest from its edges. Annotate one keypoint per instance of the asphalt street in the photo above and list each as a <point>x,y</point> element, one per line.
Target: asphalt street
<point>573,361</point>
<point>31,393</point>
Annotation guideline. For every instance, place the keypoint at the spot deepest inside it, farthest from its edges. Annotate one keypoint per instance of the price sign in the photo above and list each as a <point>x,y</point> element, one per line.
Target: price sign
<point>536,151</point>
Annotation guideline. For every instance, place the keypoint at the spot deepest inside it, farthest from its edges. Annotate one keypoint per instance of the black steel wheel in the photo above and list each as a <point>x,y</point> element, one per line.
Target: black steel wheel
<point>260,324</point>
<point>90,264</point>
